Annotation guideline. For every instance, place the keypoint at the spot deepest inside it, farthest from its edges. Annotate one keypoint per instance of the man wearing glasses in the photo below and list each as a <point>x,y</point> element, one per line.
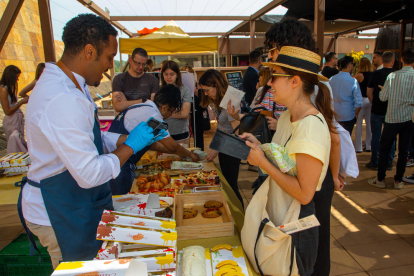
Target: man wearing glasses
<point>331,62</point>
<point>135,82</point>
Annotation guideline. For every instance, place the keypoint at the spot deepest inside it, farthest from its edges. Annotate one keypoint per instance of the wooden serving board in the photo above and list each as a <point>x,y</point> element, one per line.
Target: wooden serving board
<point>207,167</point>
<point>189,229</point>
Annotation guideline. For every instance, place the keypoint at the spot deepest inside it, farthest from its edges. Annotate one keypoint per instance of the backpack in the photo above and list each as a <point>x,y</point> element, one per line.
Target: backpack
<point>256,124</point>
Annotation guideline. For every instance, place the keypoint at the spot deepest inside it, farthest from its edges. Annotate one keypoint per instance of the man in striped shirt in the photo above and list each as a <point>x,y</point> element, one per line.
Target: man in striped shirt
<point>399,91</point>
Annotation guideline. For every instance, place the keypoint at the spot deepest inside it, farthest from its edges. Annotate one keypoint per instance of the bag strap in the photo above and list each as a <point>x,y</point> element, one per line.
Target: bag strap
<point>261,227</point>
<point>302,119</point>
<point>68,73</point>
<point>292,251</point>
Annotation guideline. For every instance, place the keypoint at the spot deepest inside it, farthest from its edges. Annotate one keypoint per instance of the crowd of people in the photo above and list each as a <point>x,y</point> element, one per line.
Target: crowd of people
<point>76,169</point>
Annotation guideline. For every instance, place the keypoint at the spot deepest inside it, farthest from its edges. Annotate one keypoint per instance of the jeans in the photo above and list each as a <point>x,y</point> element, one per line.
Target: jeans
<point>348,125</point>
<point>230,166</point>
<point>405,131</point>
<point>364,113</point>
<point>376,128</point>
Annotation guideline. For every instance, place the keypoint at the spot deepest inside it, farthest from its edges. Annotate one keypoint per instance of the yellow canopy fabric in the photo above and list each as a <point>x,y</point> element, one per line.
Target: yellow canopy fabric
<point>168,40</point>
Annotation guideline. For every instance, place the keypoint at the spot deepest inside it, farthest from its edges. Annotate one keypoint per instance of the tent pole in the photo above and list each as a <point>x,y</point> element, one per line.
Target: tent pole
<point>218,60</point>
<point>214,60</point>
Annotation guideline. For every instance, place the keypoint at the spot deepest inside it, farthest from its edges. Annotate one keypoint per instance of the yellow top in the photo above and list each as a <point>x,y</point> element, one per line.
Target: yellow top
<point>309,136</point>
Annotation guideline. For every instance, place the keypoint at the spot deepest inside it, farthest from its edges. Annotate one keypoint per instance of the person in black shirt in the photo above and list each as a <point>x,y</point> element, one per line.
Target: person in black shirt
<point>331,61</point>
<point>251,76</point>
<point>379,109</point>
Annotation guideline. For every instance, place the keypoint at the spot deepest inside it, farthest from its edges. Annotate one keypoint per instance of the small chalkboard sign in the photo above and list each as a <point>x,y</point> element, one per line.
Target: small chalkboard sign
<point>235,79</point>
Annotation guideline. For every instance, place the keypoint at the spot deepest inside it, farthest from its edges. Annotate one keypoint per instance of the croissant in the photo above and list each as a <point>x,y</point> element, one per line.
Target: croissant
<point>146,186</point>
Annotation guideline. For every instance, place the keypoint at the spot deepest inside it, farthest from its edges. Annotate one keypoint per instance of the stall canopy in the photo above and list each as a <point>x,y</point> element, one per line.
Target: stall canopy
<point>169,40</point>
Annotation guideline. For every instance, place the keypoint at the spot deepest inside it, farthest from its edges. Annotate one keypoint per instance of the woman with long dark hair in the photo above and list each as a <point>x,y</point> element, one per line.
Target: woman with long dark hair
<point>178,123</point>
<point>30,86</point>
<point>214,86</point>
<point>13,120</point>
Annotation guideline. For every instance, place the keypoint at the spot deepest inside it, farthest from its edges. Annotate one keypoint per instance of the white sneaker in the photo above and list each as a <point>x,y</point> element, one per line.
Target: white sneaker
<point>376,183</point>
<point>398,185</point>
<point>409,179</point>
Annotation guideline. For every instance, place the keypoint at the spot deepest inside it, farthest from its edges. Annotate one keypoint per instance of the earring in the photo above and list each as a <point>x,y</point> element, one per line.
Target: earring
<point>163,112</point>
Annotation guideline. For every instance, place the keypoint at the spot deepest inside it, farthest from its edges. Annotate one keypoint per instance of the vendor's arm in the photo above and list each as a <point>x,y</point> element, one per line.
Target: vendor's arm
<point>169,145</point>
<point>4,100</point>
<point>27,89</point>
<point>72,139</point>
<point>302,187</point>
<point>120,102</point>
<point>184,113</point>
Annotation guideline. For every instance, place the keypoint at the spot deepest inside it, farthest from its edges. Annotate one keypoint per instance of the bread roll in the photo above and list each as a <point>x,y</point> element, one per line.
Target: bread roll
<point>194,261</point>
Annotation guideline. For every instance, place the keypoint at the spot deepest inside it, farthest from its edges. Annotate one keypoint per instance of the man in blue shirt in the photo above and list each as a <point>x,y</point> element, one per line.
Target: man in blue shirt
<point>347,95</point>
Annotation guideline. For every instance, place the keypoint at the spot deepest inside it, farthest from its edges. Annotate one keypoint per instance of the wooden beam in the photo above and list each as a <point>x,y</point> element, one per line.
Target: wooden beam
<point>98,11</point>
<point>259,13</point>
<point>252,30</point>
<point>112,70</point>
<point>47,30</point>
<point>8,18</point>
<point>330,44</point>
<point>179,18</point>
<point>228,57</point>
<point>319,25</point>
<point>222,44</point>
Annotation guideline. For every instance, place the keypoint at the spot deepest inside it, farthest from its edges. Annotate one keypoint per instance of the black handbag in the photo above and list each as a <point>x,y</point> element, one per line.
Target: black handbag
<point>256,124</point>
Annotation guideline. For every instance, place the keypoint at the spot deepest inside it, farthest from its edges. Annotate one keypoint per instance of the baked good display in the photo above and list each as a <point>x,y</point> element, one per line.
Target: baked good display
<point>194,261</point>
<point>152,169</point>
<point>211,213</point>
<point>155,182</point>
<point>166,164</point>
<point>201,178</point>
<point>213,204</point>
<point>166,213</point>
<point>189,213</point>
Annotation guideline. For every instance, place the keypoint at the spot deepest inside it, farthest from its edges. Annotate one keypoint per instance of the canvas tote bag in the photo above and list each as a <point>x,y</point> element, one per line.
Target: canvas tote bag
<point>270,251</point>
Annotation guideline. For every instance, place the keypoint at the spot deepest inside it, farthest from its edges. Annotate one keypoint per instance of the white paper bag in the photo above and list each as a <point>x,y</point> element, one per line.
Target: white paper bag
<point>349,162</point>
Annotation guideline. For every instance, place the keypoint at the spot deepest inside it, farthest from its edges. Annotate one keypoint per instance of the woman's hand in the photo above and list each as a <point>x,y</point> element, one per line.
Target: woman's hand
<point>339,183</point>
<point>272,123</point>
<point>25,100</point>
<point>231,110</point>
<point>251,138</point>
<point>211,155</point>
<point>256,155</point>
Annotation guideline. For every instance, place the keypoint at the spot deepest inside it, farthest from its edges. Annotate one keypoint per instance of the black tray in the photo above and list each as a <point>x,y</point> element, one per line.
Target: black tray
<point>230,144</point>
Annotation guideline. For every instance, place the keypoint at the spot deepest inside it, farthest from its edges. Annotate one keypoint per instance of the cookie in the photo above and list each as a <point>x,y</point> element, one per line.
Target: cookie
<point>211,213</point>
<point>189,213</point>
<point>213,204</point>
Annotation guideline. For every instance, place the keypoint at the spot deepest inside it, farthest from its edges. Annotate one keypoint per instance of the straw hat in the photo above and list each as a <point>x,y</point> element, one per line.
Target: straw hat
<point>298,59</point>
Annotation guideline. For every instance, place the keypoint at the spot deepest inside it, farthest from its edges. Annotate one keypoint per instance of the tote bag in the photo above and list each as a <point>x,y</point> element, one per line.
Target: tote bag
<point>270,251</point>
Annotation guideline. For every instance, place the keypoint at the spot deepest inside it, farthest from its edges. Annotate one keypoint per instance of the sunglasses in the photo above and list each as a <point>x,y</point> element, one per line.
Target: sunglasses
<point>271,51</point>
<point>275,76</point>
<point>139,64</point>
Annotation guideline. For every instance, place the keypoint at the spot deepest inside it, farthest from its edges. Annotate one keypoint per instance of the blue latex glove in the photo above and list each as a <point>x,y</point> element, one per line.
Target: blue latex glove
<point>140,137</point>
<point>161,135</point>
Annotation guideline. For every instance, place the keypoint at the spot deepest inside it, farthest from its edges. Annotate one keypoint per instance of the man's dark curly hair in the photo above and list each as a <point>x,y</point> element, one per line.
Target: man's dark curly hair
<point>290,32</point>
<point>169,94</point>
<point>87,29</point>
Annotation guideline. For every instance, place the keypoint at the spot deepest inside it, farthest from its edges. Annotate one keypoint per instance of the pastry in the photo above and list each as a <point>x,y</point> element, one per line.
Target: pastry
<point>213,204</point>
<point>166,213</point>
<point>189,213</point>
<point>211,213</point>
<point>194,261</point>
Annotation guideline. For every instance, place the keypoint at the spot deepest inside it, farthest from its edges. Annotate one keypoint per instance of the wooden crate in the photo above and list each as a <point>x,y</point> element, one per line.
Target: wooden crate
<point>200,227</point>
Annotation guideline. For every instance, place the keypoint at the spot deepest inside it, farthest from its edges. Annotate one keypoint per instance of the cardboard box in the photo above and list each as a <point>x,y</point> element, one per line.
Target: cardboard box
<point>157,260</point>
<point>134,234</point>
<point>20,160</point>
<point>124,267</point>
<point>109,250</point>
<point>137,204</point>
<point>131,220</point>
<point>5,160</point>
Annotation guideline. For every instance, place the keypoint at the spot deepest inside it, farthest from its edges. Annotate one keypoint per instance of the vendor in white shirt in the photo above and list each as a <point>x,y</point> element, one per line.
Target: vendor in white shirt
<point>166,101</point>
<point>67,185</point>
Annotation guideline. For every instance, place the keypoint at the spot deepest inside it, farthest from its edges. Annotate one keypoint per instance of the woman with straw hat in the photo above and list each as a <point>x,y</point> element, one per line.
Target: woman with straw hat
<point>304,130</point>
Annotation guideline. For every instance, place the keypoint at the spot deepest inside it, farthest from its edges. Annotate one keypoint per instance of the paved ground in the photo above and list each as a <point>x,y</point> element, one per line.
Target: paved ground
<point>372,230</point>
